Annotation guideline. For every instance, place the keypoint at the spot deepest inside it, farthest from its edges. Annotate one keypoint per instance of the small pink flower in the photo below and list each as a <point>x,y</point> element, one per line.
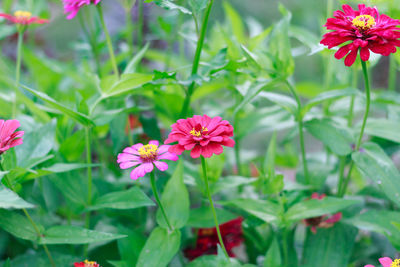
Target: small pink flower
<point>201,135</point>
<point>23,18</point>
<point>387,262</point>
<point>322,221</point>
<point>86,263</point>
<point>72,6</point>
<point>8,136</point>
<point>145,156</point>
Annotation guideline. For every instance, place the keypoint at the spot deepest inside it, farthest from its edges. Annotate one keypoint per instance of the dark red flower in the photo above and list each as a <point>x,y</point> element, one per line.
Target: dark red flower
<point>202,135</point>
<point>86,263</point>
<point>323,221</point>
<point>23,18</point>
<point>207,239</point>
<point>361,30</point>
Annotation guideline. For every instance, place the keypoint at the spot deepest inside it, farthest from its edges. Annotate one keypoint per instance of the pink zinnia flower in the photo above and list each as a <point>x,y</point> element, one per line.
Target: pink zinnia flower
<point>387,262</point>
<point>323,221</point>
<point>72,6</point>
<point>145,156</point>
<point>202,135</point>
<point>8,136</point>
<point>365,30</point>
<point>86,263</point>
<point>23,18</point>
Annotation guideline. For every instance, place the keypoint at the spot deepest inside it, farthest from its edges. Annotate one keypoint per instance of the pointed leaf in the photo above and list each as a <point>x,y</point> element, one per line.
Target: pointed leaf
<point>10,200</point>
<point>17,225</point>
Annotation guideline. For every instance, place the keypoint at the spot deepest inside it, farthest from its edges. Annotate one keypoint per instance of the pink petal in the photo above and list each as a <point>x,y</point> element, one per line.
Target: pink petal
<point>169,156</point>
<point>369,265</point>
<point>386,262</point>
<point>196,151</point>
<point>129,164</point>
<point>154,142</point>
<point>162,166</point>
<point>335,218</point>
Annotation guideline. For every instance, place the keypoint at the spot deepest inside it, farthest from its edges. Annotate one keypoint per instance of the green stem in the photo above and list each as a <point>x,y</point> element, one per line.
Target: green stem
<point>89,177</point>
<point>392,74</point>
<point>196,60</point>
<point>91,38</point>
<point>285,247</point>
<point>108,40</point>
<point>301,134</point>
<point>32,222</point>
<point>129,29</point>
<point>18,71</point>
<point>342,165</point>
<point>155,192</point>
<point>140,24</point>
<point>221,241</point>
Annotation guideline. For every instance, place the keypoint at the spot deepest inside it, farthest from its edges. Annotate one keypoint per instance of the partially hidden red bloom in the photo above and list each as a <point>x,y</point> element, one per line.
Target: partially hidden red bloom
<point>387,262</point>
<point>361,30</point>
<point>207,239</point>
<point>8,136</point>
<point>23,18</point>
<point>201,135</point>
<point>86,263</point>
<point>323,221</point>
<point>72,6</point>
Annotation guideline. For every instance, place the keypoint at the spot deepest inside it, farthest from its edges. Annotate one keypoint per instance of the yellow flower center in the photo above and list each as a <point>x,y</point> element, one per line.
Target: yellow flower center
<point>203,130</point>
<point>22,14</point>
<point>148,151</point>
<point>395,263</point>
<point>364,22</point>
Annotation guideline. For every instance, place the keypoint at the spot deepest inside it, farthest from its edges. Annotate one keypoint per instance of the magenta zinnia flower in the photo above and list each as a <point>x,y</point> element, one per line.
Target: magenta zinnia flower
<point>23,18</point>
<point>72,6</point>
<point>8,136</point>
<point>86,263</point>
<point>202,135</point>
<point>361,30</point>
<point>323,221</point>
<point>387,262</point>
<point>145,156</point>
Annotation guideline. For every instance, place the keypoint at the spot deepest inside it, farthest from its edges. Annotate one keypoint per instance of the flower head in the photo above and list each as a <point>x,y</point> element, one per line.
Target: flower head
<point>72,6</point>
<point>361,30</point>
<point>23,18</point>
<point>207,239</point>
<point>202,135</point>
<point>8,136</point>
<point>387,262</point>
<point>87,263</point>
<point>323,221</point>
<point>144,156</point>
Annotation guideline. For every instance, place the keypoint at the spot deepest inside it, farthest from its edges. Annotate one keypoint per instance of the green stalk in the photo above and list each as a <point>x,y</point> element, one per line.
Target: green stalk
<point>92,41</point>
<point>392,74</point>
<point>32,222</point>
<point>364,123</point>
<point>221,241</point>
<point>155,192</point>
<point>301,134</point>
<point>196,60</point>
<point>129,30</point>
<point>108,40</point>
<point>18,71</point>
<point>140,24</point>
<point>89,177</point>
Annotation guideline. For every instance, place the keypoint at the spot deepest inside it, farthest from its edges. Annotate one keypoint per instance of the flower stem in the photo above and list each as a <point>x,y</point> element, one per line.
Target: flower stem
<point>155,192</point>
<point>392,74</point>
<point>91,38</point>
<point>221,241</point>
<point>364,123</point>
<point>301,134</point>
<point>18,71</point>
<point>89,177</point>
<point>196,60</point>
<point>108,40</point>
<point>32,222</point>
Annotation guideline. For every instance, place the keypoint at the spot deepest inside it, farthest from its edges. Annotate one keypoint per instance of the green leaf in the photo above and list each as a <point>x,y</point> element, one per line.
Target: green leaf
<point>317,207</point>
<point>284,101</point>
<point>203,217</point>
<point>169,5</point>
<point>132,65</point>
<point>2,174</point>
<point>262,209</point>
<point>229,183</point>
<point>330,95</point>
<point>17,225</point>
<point>273,256</point>
<point>66,234</point>
<point>128,199</point>
<point>198,5</point>
<point>329,247</point>
<point>127,84</point>
<point>10,200</point>
<point>175,200</point>
<point>235,22</point>
<point>58,168</point>
<point>269,160</point>
<point>384,129</point>
<point>79,117</point>
<point>373,163</point>
<point>332,135</point>
<point>160,248</point>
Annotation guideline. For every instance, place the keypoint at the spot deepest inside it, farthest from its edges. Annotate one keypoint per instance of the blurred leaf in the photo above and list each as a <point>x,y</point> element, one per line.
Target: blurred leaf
<point>127,84</point>
<point>273,256</point>
<point>175,200</point>
<point>123,200</point>
<point>235,22</point>
<point>229,183</point>
<point>317,207</point>
<point>135,61</point>
<point>79,117</point>
<point>329,95</point>
<point>10,200</point>
<point>332,135</point>
<point>329,247</point>
<point>66,234</point>
<point>384,129</point>
<point>198,5</point>
<point>169,5</point>
<point>41,259</point>
<point>203,217</point>
<point>269,160</point>
<point>284,101</point>
<point>373,163</point>
<point>160,248</point>
<point>129,248</point>
<point>58,168</point>
<point>17,225</point>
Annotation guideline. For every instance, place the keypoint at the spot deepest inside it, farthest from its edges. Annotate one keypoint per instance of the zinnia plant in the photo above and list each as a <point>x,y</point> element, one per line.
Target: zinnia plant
<point>387,262</point>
